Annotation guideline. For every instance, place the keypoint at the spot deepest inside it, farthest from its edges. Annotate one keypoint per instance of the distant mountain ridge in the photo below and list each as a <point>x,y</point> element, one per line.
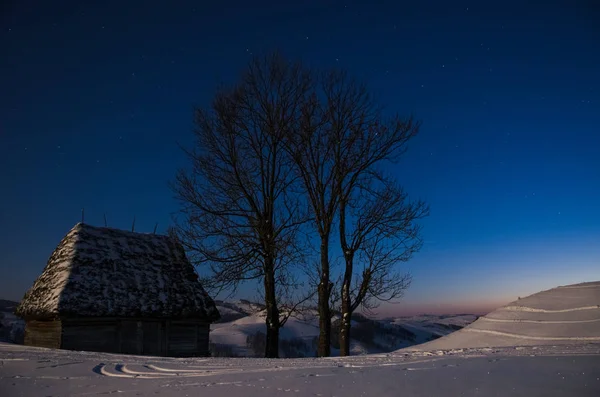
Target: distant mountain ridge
<point>8,305</point>
<point>11,327</point>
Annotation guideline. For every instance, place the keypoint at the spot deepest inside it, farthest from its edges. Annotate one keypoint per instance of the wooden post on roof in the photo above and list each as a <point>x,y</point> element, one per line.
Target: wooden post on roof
<point>133,226</point>
<point>105,225</point>
<point>82,214</point>
<point>155,226</point>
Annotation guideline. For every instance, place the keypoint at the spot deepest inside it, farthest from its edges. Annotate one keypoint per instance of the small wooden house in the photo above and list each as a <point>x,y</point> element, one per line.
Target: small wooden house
<point>109,290</point>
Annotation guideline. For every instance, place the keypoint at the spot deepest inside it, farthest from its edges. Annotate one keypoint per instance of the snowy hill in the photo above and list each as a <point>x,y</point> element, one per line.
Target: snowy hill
<point>241,332</point>
<point>563,315</point>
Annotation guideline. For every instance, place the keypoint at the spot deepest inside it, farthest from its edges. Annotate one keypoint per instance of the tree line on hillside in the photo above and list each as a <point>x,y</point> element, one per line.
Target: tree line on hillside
<point>285,162</point>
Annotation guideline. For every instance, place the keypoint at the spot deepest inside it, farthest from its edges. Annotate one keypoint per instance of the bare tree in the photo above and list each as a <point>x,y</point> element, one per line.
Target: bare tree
<point>377,232</point>
<point>340,143</point>
<point>241,212</point>
<point>376,222</point>
<point>312,150</point>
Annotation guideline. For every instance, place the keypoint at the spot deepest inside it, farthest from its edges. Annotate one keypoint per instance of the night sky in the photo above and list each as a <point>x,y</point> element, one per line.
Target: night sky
<point>95,99</point>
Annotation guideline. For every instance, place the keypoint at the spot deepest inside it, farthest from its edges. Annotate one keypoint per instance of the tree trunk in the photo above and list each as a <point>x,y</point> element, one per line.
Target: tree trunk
<point>324,290</point>
<point>272,343</point>
<point>272,318</point>
<point>346,285</point>
<point>346,318</point>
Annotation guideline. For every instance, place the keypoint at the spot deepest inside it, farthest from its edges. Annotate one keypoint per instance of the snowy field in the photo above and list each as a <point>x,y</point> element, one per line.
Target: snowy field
<point>553,370</point>
<point>547,344</point>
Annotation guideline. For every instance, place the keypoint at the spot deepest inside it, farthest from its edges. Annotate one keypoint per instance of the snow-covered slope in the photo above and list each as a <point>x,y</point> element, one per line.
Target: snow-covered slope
<point>244,335</point>
<point>563,315</point>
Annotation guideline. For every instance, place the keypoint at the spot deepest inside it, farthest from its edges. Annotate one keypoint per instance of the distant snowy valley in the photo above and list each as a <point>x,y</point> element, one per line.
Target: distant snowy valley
<point>241,332</point>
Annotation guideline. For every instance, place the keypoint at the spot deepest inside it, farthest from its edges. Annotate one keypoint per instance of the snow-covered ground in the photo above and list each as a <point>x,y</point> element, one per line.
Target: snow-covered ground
<point>533,357</point>
<point>561,370</point>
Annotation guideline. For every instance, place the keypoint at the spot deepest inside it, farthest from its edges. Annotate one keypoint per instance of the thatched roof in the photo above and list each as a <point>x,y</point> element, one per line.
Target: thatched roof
<point>105,272</point>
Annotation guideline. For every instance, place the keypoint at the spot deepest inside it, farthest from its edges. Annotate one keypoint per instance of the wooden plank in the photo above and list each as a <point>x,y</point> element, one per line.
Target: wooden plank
<point>203,335</point>
<point>167,327</point>
<point>183,339</point>
<point>151,338</point>
<point>43,333</point>
<point>90,336</point>
<point>130,337</point>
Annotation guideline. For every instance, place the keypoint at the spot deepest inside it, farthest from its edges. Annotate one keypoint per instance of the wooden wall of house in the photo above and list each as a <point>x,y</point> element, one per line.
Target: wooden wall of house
<point>43,333</point>
<point>203,334</point>
<point>98,335</point>
<point>140,336</point>
<point>187,338</point>
<point>153,343</point>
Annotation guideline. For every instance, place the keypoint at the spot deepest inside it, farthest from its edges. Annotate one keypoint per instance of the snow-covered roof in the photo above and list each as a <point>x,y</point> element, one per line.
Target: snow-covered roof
<point>104,272</point>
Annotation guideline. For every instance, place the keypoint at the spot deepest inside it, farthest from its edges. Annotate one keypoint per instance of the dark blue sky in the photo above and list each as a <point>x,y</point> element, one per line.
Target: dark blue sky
<point>95,98</point>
